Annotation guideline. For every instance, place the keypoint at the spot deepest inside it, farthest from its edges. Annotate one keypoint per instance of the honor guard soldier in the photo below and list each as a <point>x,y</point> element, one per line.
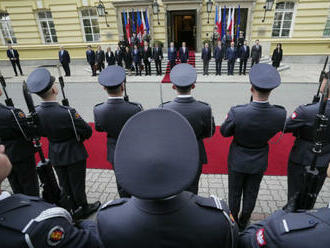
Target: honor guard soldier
<point>27,221</point>
<point>111,116</point>
<point>252,126</point>
<point>23,178</point>
<point>199,114</point>
<point>301,124</point>
<point>156,158</point>
<point>66,132</point>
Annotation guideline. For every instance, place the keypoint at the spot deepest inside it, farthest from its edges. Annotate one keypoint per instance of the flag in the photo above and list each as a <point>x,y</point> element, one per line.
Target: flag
<point>143,24</point>
<point>232,24</point>
<point>125,21</point>
<point>229,19</point>
<point>128,28</point>
<point>147,22</point>
<point>216,15</point>
<point>238,22</point>
<point>224,23</point>
<point>133,22</point>
<point>219,22</point>
<point>139,23</point>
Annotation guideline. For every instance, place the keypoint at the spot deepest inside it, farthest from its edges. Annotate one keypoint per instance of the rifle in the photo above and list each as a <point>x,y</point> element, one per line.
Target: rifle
<point>65,101</point>
<point>316,98</point>
<point>51,191</point>
<point>126,97</point>
<point>308,194</point>
<point>8,101</point>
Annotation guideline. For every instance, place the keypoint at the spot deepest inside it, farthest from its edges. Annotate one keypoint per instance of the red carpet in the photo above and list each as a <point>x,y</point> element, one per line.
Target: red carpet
<point>191,61</point>
<point>217,149</point>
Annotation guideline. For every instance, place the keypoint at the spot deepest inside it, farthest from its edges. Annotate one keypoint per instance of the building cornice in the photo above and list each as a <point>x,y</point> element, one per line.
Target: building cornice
<point>131,3</point>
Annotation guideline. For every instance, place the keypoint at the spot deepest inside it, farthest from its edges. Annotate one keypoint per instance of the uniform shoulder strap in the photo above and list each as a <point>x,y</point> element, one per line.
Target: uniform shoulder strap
<point>19,114</point>
<point>114,203</point>
<point>74,126</point>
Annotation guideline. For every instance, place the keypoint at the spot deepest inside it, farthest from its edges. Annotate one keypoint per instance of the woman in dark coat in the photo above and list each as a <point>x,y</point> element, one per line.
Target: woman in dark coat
<point>277,55</point>
<point>128,59</point>
<point>110,57</point>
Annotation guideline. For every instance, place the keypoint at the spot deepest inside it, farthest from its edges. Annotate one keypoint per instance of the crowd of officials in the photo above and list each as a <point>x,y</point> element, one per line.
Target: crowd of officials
<point>158,157</point>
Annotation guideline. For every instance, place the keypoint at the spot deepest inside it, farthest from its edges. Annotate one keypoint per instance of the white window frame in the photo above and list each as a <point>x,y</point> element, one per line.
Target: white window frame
<point>90,18</point>
<point>47,20</point>
<point>9,29</point>
<point>328,20</point>
<point>282,20</point>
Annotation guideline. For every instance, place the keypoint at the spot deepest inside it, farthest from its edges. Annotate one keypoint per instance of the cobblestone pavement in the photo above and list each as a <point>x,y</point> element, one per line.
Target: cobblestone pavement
<point>101,185</point>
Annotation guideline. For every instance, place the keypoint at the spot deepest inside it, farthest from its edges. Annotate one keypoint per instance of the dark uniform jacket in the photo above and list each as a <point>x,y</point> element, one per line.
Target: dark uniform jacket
<point>172,54</point>
<point>157,54</point>
<point>54,229</point>
<point>252,126</point>
<point>301,124</point>
<point>219,53</point>
<point>17,147</point>
<point>199,115</point>
<point>206,55</point>
<point>110,117</point>
<point>244,53</point>
<point>256,53</point>
<point>59,123</point>
<point>184,55</point>
<point>185,221</point>
<point>90,56</point>
<point>100,56</point>
<point>65,57</point>
<point>285,230</point>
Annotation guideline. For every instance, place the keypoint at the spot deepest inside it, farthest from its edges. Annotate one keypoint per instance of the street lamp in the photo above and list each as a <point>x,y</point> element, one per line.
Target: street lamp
<point>209,5</point>
<point>155,9</point>
<point>102,12</point>
<point>268,7</point>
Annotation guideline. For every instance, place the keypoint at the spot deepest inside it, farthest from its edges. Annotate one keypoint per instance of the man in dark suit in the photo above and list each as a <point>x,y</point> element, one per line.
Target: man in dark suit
<point>252,126</point>
<point>110,57</point>
<point>19,148</point>
<point>156,159</point>
<point>28,221</point>
<point>256,53</point>
<point>119,56</point>
<point>111,116</point>
<point>231,56</point>
<point>100,57</point>
<point>13,56</point>
<point>90,55</point>
<point>66,132</point>
<point>219,53</point>
<point>136,54</point>
<point>301,124</point>
<point>157,55</point>
<point>64,57</point>
<point>184,53</point>
<point>172,55</point>
<point>199,114</point>
<point>147,56</point>
<point>206,57</point>
<point>244,54</point>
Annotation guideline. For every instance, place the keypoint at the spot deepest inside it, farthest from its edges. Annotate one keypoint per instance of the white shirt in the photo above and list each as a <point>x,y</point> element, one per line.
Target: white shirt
<point>62,51</point>
<point>260,101</point>
<point>4,195</point>
<point>115,97</point>
<point>12,51</point>
<point>184,96</point>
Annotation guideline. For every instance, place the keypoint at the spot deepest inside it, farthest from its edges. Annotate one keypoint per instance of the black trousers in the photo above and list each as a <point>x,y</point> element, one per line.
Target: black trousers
<point>100,66</point>
<point>218,63</point>
<point>296,178</point>
<point>147,67</point>
<point>242,65</point>
<point>66,68</point>
<point>14,63</point>
<point>158,64</point>
<point>23,177</point>
<point>93,69</point>
<point>172,63</point>
<point>72,179</point>
<point>137,69</point>
<point>206,67</point>
<point>243,184</point>
<point>231,64</point>
<point>194,186</point>
<point>254,61</point>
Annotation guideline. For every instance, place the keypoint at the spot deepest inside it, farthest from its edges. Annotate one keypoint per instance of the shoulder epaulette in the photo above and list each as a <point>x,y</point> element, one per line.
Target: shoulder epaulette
<point>164,103</point>
<point>279,106</point>
<point>114,203</point>
<point>309,104</point>
<point>136,104</point>
<point>98,104</point>
<point>204,103</point>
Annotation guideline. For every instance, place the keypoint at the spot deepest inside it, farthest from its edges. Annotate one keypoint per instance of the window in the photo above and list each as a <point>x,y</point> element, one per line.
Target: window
<point>8,35</point>
<point>47,26</point>
<point>326,32</point>
<point>284,14</point>
<point>90,24</point>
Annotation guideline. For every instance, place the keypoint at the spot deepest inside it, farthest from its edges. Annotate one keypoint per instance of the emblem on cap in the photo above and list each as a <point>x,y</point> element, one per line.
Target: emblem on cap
<point>55,236</point>
<point>21,115</point>
<point>261,237</point>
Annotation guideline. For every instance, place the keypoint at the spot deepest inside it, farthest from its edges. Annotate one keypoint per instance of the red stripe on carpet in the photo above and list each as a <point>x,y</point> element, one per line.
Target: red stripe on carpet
<point>217,149</point>
<point>191,61</point>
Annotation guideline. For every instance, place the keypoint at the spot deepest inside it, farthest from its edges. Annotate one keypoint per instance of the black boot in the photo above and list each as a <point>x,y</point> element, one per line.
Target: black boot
<point>243,222</point>
<point>83,212</point>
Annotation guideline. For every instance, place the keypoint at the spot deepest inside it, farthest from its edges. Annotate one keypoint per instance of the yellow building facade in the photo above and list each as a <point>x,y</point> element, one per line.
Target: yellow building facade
<point>38,27</point>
